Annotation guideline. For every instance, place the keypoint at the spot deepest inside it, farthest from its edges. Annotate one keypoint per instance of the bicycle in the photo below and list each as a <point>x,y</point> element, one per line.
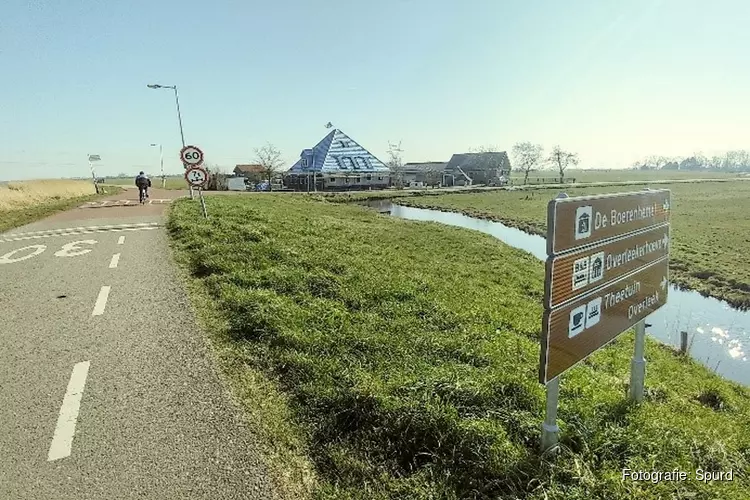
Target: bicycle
<point>142,195</point>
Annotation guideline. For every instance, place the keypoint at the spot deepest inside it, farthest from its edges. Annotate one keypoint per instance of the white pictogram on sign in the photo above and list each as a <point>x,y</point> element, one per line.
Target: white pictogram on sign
<point>583,222</point>
<point>577,321</point>
<point>596,267</point>
<point>593,312</point>
<point>580,273</point>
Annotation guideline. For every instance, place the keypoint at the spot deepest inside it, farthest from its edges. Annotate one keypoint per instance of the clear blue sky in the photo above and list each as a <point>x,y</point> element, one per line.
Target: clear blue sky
<point>611,80</point>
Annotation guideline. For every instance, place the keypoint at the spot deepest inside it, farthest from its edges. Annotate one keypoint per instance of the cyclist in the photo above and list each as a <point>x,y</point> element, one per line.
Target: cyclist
<point>143,183</point>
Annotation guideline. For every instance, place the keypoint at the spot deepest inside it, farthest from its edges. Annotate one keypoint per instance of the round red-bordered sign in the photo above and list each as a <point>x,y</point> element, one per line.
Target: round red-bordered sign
<point>191,156</point>
<point>196,176</point>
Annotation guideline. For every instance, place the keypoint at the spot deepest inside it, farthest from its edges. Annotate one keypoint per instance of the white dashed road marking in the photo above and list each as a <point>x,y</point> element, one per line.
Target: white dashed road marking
<point>101,301</point>
<point>121,240</point>
<point>8,239</point>
<point>85,228</point>
<point>62,440</point>
<point>114,261</point>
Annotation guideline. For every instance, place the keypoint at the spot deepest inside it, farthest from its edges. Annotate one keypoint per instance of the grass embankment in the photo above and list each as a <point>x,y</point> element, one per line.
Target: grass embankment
<point>710,228</point>
<point>407,356</point>
<point>23,202</point>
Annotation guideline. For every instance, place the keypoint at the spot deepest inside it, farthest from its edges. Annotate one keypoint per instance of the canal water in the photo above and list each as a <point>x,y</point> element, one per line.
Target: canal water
<point>719,335</point>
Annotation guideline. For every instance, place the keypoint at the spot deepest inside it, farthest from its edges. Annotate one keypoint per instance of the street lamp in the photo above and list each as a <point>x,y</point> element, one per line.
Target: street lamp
<point>177,101</point>
<point>179,115</point>
<point>161,162</point>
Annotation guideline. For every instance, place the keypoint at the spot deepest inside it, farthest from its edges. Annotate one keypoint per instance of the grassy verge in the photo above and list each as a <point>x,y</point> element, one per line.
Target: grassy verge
<point>16,217</point>
<point>407,357</point>
<point>267,406</point>
<point>710,228</point>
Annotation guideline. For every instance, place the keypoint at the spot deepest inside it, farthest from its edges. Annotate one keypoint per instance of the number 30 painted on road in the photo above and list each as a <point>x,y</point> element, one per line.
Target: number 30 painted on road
<point>71,249</point>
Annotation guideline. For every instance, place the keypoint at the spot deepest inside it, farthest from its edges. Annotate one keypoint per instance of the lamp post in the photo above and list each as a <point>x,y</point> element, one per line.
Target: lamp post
<point>179,115</point>
<point>161,164</point>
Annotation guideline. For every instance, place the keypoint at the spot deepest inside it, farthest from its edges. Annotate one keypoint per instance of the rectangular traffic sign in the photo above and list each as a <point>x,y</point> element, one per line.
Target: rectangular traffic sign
<point>578,272</point>
<point>576,222</point>
<point>574,331</point>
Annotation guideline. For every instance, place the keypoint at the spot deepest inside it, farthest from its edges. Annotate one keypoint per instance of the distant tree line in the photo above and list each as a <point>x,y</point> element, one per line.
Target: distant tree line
<point>731,161</point>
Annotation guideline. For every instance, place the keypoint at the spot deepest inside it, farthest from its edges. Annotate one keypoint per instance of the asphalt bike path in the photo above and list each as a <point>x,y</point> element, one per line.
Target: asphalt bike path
<point>107,389</point>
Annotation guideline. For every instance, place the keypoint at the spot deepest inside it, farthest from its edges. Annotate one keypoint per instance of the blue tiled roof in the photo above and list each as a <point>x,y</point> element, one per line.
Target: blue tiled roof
<point>338,152</point>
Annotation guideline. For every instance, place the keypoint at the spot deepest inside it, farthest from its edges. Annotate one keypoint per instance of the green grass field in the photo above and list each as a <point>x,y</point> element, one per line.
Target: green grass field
<point>619,175</point>
<point>710,228</point>
<point>401,357</point>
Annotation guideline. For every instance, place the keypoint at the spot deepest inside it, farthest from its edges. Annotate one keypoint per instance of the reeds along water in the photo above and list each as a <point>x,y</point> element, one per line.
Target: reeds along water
<point>20,194</point>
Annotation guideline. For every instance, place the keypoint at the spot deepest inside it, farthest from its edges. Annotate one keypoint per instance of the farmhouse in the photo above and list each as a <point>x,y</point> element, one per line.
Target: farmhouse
<point>337,162</point>
<point>254,173</point>
<point>466,169</point>
<point>427,174</point>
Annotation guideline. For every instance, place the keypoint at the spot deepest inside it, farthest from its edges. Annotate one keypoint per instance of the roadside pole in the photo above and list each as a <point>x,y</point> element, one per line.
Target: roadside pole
<point>93,177</point>
<point>161,163</point>
<point>92,159</point>
<point>550,430</point>
<point>638,363</point>
<point>203,203</point>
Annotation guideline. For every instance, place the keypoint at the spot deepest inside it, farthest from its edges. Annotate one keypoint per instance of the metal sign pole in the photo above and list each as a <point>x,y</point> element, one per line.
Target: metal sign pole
<point>203,202</point>
<point>190,187</point>
<point>93,176</point>
<point>550,430</point>
<point>638,363</point>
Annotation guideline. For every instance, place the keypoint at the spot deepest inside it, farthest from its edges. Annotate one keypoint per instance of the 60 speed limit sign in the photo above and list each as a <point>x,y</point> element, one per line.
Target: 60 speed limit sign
<point>196,176</point>
<point>191,156</point>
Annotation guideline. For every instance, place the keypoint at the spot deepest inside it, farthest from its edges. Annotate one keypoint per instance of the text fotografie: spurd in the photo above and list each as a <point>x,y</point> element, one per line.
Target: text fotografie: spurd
<point>657,476</point>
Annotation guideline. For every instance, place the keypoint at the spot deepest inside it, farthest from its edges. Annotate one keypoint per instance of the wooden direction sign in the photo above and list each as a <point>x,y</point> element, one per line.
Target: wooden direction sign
<point>574,331</point>
<point>576,222</point>
<point>577,272</point>
<point>607,269</point>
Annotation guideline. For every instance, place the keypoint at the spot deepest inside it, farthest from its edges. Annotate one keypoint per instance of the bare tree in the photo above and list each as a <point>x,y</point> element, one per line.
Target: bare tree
<point>396,163</point>
<point>561,160</point>
<point>269,157</point>
<point>527,156</point>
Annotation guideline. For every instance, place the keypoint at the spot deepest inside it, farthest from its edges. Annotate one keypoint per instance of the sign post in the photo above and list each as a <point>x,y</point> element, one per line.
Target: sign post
<point>92,159</point>
<point>638,364</point>
<point>607,269</point>
<point>191,156</point>
<point>197,177</point>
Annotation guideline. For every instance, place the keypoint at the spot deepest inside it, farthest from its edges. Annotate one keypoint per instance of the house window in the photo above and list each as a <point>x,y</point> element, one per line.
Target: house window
<point>361,162</point>
<point>332,179</point>
<point>345,162</point>
<point>346,180</point>
<point>356,179</point>
<point>380,177</point>
<point>368,177</point>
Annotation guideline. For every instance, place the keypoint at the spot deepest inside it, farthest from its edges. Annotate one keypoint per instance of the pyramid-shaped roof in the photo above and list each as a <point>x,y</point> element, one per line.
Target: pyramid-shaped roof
<point>337,152</point>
